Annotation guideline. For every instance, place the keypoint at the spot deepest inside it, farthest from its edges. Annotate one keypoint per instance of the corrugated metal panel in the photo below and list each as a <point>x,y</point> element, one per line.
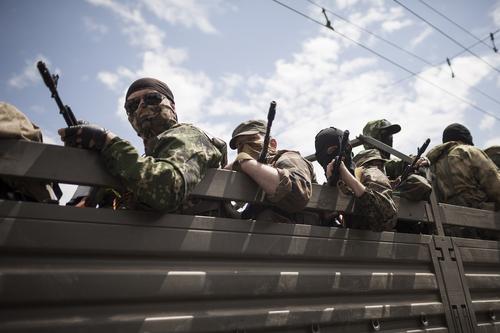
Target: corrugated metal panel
<point>193,274</point>
<point>481,263</point>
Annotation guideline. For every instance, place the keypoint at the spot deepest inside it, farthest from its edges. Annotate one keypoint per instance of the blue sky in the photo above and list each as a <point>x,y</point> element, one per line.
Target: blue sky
<point>226,60</point>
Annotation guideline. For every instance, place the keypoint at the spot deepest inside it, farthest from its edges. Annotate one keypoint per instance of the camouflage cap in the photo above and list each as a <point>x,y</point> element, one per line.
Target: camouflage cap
<point>493,153</point>
<point>249,127</point>
<point>366,156</point>
<point>375,128</point>
<point>15,125</point>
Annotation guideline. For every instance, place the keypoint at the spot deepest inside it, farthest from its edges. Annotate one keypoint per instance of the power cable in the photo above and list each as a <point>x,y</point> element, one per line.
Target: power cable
<point>417,75</point>
<point>371,33</point>
<point>453,22</point>
<point>446,35</point>
<point>423,60</point>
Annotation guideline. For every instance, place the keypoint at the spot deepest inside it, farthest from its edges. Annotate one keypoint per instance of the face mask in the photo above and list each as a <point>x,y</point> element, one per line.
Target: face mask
<point>251,148</point>
<point>153,120</point>
<point>325,156</point>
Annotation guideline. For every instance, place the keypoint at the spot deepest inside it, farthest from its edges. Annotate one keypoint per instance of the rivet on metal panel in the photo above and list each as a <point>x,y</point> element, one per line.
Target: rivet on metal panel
<point>423,320</point>
<point>492,315</point>
<point>315,328</point>
<point>376,325</point>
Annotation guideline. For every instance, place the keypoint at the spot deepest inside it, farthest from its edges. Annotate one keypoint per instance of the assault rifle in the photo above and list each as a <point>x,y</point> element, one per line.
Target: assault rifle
<point>270,118</point>
<point>410,168</point>
<point>51,82</point>
<point>343,151</point>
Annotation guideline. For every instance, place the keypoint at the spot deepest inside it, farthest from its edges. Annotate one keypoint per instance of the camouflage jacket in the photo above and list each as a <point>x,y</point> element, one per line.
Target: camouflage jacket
<point>179,160</point>
<point>465,176</point>
<point>375,209</point>
<point>294,189</point>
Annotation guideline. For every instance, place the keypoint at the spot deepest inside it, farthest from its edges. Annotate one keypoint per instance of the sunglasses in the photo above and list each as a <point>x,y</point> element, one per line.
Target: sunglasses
<point>152,98</point>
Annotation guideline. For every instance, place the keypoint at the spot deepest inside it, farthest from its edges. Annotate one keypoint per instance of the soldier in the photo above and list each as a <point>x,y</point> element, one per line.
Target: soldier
<point>493,153</point>
<point>177,155</point>
<point>286,178</point>
<point>374,208</point>
<point>15,125</point>
<point>415,187</point>
<point>465,175</point>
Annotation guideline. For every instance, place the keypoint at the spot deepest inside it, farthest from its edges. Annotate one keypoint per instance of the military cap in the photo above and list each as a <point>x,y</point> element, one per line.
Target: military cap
<point>493,153</point>
<point>249,127</point>
<point>366,156</point>
<point>15,125</point>
<point>375,128</point>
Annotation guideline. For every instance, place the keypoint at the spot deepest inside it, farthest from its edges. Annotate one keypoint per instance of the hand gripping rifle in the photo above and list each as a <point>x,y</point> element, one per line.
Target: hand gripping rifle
<point>270,118</point>
<point>343,151</point>
<point>51,82</point>
<point>410,168</point>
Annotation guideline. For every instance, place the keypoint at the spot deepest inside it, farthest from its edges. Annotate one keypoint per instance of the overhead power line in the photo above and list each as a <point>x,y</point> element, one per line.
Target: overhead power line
<point>453,22</point>
<point>447,36</point>
<point>412,54</point>
<point>370,33</point>
<point>417,75</point>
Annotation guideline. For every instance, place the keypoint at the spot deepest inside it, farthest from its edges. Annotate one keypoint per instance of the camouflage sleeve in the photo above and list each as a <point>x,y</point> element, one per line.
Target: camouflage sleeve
<point>394,168</point>
<point>162,183</point>
<point>376,204</point>
<point>486,174</point>
<point>295,186</point>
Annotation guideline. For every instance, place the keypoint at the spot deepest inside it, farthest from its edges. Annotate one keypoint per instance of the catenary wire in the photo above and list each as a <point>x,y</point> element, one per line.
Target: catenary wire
<point>417,75</point>
<point>416,56</point>
<point>453,22</point>
<point>447,36</point>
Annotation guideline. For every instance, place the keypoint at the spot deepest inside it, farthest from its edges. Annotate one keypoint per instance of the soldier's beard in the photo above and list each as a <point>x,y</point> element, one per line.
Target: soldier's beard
<point>151,121</point>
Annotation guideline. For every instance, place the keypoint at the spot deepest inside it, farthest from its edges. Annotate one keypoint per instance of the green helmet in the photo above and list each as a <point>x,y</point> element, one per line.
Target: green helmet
<point>377,129</point>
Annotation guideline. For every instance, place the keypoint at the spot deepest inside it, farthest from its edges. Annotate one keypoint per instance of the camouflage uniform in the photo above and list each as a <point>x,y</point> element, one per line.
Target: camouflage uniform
<point>493,153</point>
<point>296,176</point>
<point>415,187</point>
<point>375,209</point>
<point>293,192</point>
<point>465,176</point>
<point>15,125</point>
<point>177,161</point>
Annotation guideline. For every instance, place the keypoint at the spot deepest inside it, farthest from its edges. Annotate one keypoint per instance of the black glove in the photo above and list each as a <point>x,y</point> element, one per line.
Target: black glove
<point>85,136</point>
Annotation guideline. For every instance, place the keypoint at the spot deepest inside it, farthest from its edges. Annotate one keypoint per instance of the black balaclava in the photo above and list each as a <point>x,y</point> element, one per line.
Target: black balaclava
<point>326,138</point>
<point>457,132</point>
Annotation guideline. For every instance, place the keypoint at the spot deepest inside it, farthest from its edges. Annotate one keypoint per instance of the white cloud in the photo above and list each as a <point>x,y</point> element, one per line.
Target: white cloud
<point>356,64</point>
<point>29,75</point>
<point>140,32</point>
<point>492,142</point>
<point>343,4</point>
<point>487,122</point>
<point>188,13</point>
<point>109,79</point>
<point>495,14</point>
<point>314,88</point>
<point>94,27</point>
<point>391,26</point>
<point>115,81</point>
<point>421,37</point>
